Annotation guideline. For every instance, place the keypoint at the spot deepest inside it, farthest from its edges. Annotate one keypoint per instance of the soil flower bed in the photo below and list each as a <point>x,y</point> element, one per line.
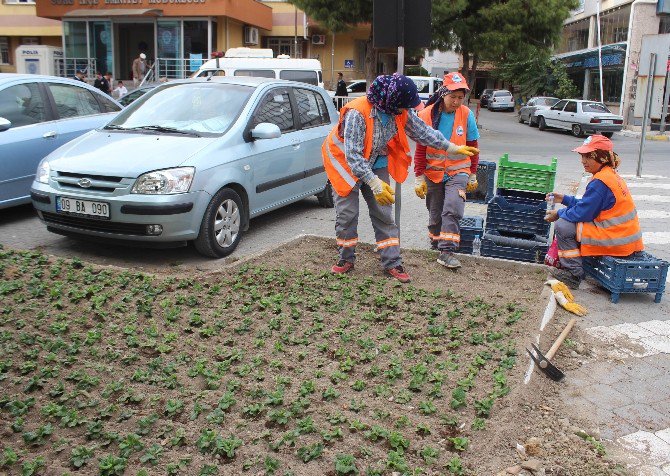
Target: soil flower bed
<point>261,369</point>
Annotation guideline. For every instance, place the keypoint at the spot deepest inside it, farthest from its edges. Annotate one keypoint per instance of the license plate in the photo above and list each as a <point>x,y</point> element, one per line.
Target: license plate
<point>606,121</point>
<point>75,206</point>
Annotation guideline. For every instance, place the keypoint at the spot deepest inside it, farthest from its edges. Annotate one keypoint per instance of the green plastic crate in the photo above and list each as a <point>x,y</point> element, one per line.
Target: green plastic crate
<point>528,177</point>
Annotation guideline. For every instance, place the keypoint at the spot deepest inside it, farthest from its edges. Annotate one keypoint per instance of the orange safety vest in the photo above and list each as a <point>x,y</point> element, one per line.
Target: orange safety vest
<point>335,162</point>
<point>437,160</point>
<point>614,232</point>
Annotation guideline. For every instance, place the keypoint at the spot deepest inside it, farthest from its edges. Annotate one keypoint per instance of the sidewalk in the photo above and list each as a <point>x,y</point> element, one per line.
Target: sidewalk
<point>625,375</point>
<point>653,135</point>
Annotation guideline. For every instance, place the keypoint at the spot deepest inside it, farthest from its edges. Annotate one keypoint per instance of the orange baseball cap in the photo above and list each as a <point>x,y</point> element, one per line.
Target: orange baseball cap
<point>454,81</point>
<point>594,142</point>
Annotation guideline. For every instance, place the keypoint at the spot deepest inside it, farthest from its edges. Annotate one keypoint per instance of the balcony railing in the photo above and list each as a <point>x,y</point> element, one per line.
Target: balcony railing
<point>68,67</point>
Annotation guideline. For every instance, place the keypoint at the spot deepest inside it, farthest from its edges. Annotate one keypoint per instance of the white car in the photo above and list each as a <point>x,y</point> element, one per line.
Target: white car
<point>500,100</point>
<point>580,117</point>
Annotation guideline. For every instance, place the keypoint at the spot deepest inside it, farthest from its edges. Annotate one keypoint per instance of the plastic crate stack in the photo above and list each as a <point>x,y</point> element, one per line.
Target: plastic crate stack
<point>515,226</point>
<point>470,227</point>
<point>486,176</point>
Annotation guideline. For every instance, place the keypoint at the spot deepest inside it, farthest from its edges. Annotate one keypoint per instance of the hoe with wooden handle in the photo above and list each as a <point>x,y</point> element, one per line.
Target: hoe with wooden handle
<point>544,361</point>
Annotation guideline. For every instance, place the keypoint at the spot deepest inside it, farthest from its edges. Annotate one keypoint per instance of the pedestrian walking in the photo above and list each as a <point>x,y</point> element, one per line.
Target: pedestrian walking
<point>368,144</point>
<point>120,90</point>
<point>139,69</point>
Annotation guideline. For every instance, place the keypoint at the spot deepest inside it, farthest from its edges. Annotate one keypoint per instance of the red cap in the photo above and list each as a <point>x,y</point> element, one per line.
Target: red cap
<point>454,81</point>
<point>594,142</point>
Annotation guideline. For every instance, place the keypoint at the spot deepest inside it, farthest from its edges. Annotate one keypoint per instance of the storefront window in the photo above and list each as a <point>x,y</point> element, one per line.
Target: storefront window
<point>285,46</point>
<point>75,39</point>
<point>101,44</point>
<point>170,59</point>
<point>612,83</point>
<point>195,44</point>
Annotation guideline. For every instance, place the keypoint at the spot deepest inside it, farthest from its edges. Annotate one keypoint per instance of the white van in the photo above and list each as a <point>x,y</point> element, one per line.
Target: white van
<point>283,67</point>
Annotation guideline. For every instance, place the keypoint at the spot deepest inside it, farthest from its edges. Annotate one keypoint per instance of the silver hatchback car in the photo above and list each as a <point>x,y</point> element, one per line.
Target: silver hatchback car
<point>192,160</point>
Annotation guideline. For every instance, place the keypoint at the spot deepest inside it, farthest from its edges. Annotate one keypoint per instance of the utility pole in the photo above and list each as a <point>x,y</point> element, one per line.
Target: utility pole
<point>600,53</point>
<point>401,68</point>
<point>647,104</point>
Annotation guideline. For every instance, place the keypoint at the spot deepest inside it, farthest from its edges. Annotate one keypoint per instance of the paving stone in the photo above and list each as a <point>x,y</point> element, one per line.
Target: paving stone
<point>661,328</point>
<point>605,372</point>
<point>662,343</point>
<point>655,450</point>
<point>650,471</point>
<point>642,389</point>
<point>662,361</point>
<point>646,366</point>
<point>633,331</point>
<point>605,396</point>
<point>666,469</point>
<point>664,435</point>
<point>643,417</point>
<point>612,426</point>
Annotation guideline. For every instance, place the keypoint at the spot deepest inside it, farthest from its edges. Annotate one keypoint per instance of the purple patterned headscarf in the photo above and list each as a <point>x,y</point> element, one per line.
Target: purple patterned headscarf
<point>389,94</point>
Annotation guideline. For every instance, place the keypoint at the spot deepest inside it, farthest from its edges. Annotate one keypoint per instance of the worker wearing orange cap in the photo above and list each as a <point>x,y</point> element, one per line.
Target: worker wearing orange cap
<point>603,222</point>
<point>449,175</point>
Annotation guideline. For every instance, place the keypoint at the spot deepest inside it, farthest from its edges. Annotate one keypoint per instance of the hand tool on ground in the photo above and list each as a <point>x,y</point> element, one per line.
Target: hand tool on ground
<point>544,361</point>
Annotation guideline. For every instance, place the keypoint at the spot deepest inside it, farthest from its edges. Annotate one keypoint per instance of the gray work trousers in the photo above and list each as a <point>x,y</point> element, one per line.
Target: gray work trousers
<point>445,209</point>
<point>346,223</point>
<point>568,247</point>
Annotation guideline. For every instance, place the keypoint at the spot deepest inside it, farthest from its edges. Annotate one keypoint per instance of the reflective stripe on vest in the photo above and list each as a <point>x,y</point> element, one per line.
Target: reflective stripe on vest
<point>438,162</point>
<point>346,176</point>
<point>614,232</point>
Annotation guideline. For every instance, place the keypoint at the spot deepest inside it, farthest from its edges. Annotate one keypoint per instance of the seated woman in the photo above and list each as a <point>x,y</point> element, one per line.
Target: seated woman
<point>603,222</point>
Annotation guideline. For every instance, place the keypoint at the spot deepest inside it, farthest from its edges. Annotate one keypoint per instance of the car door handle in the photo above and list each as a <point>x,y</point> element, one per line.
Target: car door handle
<point>50,135</point>
<point>295,143</point>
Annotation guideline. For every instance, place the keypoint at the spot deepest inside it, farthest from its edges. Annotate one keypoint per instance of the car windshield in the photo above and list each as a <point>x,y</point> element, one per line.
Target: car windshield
<point>198,108</point>
<point>546,101</point>
<point>594,107</point>
<point>501,93</point>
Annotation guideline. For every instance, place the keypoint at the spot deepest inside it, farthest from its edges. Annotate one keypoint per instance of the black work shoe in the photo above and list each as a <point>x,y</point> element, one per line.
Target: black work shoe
<point>566,276</point>
<point>433,245</point>
<point>448,260</point>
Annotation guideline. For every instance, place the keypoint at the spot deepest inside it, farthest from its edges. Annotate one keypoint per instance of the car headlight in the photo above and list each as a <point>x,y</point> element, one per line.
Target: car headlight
<point>43,172</point>
<point>163,182</point>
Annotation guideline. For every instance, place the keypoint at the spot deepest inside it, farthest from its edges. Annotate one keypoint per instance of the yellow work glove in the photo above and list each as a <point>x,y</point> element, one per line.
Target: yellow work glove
<point>472,183</point>
<point>420,187</point>
<point>463,150</point>
<point>382,191</point>
<point>560,287</point>
<point>572,307</point>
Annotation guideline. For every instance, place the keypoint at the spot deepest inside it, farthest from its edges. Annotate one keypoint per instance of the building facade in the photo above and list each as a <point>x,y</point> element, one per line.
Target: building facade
<point>621,26</point>
<point>19,25</point>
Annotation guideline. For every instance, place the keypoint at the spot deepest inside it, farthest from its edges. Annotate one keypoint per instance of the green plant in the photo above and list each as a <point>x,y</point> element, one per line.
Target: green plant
<point>111,465</point>
<point>80,456</point>
<point>345,464</point>
<point>310,452</point>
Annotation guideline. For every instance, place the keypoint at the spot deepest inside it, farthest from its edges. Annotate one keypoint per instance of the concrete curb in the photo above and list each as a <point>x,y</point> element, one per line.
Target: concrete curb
<point>653,136</point>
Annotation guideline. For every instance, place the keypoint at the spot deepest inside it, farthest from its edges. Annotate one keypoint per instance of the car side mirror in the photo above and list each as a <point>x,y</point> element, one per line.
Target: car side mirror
<point>266,130</point>
<point>4,124</point>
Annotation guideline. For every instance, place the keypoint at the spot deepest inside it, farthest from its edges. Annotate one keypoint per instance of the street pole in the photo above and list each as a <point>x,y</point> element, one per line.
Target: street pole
<point>401,69</point>
<point>666,98</point>
<point>647,104</point>
<point>295,34</point>
<point>600,53</point>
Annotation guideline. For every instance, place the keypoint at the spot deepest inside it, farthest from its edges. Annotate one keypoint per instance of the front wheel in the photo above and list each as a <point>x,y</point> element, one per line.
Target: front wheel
<point>577,130</point>
<point>531,122</point>
<point>541,124</point>
<point>521,121</point>
<point>325,197</point>
<point>221,227</point>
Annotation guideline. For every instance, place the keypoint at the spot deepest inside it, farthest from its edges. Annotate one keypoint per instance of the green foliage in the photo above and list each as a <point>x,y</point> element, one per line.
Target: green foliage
<point>345,464</point>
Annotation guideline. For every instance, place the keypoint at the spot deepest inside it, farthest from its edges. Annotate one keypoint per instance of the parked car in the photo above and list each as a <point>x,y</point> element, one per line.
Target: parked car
<point>580,117</point>
<point>426,86</point>
<point>193,160</point>
<point>501,100</point>
<point>484,97</point>
<point>528,111</point>
<point>355,88</point>
<point>135,94</point>
<point>37,115</point>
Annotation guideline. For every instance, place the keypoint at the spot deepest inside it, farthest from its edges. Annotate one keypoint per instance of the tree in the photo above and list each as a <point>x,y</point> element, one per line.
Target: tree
<point>495,30</point>
<point>534,73</point>
<point>338,16</point>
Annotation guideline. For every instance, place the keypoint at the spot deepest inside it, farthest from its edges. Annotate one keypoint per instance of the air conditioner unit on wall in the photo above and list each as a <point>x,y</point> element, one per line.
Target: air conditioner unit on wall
<point>318,39</point>
<point>250,35</point>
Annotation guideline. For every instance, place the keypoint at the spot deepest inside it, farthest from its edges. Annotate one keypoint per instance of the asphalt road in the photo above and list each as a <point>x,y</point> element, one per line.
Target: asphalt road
<point>500,134</point>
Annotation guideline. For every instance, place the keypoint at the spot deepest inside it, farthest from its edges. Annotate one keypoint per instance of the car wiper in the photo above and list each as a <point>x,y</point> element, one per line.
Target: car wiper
<point>114,127</point>
<point>165,129</point>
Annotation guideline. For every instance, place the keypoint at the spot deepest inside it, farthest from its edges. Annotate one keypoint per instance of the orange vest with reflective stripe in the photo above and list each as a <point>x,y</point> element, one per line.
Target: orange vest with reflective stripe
<point>335,162</point>
<point>438,161</point>
<point>614,232</point>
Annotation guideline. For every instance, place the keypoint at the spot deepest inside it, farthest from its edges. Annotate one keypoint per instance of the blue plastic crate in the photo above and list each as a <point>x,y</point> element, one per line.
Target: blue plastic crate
<point>486,175</point>
<point>519,215</point>
<point>640,273</point>
<point>470,226</point>
<point>496,245</point>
